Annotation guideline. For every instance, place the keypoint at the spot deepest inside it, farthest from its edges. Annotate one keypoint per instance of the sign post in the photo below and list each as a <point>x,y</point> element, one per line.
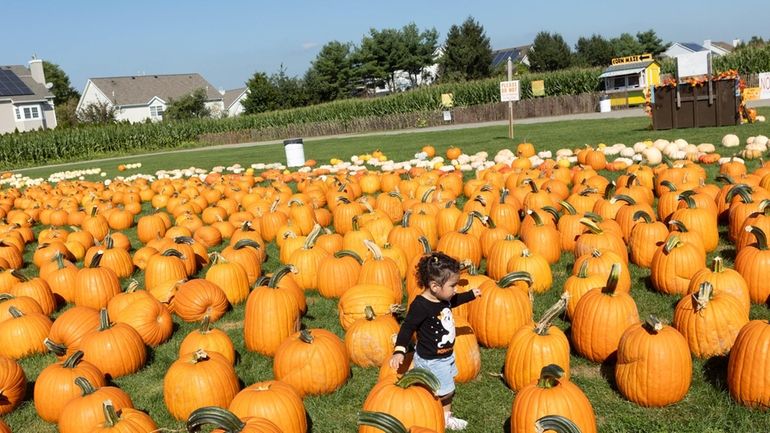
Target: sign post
<point>509,92</point>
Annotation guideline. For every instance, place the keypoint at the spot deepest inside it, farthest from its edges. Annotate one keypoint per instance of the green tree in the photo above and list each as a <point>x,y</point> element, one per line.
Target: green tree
<point>329,76</point>
<point>382,53</point>
<point>420,48</point>
<point>66,113</point>
<point>594,51</point>
<point>467,53</point>
<point>192,106</point>
<point>62,89</point>
<point>549,52</point>
<point>626,45</point>
<point>262,94</point>
<point>651,43</point>
<point>291,90</point>
<point>100,112</point>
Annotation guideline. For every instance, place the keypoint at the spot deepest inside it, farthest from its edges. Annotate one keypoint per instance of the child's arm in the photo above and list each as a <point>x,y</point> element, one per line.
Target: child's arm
<point>412,321</point>
<point>462,298</point>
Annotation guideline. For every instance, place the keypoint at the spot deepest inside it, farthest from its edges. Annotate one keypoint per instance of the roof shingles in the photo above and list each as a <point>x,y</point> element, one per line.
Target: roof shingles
<point>141,89</point>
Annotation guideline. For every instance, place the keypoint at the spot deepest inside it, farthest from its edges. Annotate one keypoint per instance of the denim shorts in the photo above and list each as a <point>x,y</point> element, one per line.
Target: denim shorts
<point>444,369</point>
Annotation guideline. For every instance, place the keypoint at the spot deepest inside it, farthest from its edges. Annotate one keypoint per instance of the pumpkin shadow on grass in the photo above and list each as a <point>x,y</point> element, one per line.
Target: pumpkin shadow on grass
<point>715,371</point>
<point>607,371</point>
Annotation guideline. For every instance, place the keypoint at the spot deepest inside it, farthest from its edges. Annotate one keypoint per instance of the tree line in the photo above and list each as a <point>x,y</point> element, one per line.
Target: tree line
<point>398,59</point>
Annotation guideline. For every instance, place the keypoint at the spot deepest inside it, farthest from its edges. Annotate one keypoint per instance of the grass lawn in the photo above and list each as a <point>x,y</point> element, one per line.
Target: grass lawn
<point>485,402</point>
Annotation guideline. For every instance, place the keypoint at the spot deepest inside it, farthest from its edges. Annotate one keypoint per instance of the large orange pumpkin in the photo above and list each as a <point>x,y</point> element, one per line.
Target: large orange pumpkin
<point>313,361</point>
<point>412,405</point>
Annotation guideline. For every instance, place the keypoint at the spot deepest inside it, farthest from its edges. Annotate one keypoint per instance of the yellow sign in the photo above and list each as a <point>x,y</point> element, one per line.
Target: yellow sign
<point>751,94</point>
<point>538,88</point>
<point>447,100</point>
<point>631,59</point>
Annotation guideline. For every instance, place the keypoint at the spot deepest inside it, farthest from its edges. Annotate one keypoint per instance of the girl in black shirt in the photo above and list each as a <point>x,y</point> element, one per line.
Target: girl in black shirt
<point>430,315</point>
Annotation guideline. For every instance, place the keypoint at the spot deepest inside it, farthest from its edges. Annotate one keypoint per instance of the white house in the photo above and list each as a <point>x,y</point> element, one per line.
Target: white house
<point>403,80</point>
<point>233,101</point>
<point>137,98</point>
<point>716,48</point>
<point>26,103</point>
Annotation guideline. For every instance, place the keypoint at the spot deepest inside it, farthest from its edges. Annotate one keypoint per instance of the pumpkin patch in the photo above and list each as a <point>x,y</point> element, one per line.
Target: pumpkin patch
<point>266,298</point>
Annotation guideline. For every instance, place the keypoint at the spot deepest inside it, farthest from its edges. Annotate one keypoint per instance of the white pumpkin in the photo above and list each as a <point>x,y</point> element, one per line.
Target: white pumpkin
<point>639,147</point>
<point>691,148</point>
<point>627,161</point>
<point>681,143</point>
<point>731,140</point>
<point>545,154</point>
<point>628,152</point>
<point>706,148</point>
<point>761,140</point>
<point>652,154</point>
<point>564,153</point>
<point>661,143</point>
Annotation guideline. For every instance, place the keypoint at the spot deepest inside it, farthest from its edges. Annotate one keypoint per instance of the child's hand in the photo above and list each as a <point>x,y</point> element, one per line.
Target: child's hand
<point>477,292</point>
<point>396,360</point>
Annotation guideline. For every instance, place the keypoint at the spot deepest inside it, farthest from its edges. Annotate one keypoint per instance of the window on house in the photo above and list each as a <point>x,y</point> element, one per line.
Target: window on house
<point>27,112</point>
<point>633,81</point>
<point>619,83</point>
<point>156,111</point>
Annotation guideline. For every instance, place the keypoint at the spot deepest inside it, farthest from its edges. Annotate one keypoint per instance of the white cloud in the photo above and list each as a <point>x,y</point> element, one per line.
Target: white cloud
<point>309,45</point>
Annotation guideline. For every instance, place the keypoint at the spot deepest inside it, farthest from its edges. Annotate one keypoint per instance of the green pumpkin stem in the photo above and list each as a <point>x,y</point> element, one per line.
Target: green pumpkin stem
<point>468,223</point>
<point>679,226</point>
<point>426,195</point>
<point>426,249</point>
<point>205,327</point>
<point>592,226</point>
<point>644,215</point>
<point>536,217</point>
<point>624,198</point>
<point>111,417</point>
<point>652,324</point>
<point>552,210</point>
<point>104,320</point>
<point>55,348</point>
<point>549,376</point>
<point>405,218</point>
<point>760,235</point>
<point>312,237</point>
<point>305,336</point>
<point>216,416</point>
<point>595,217</point>
<point>85,386</point>
<point>568,207</point>
<point>280,273</point>
<point>374,249</point>
<point>609,190</point>
<point>245,242</point>
<point>381,421</point>
<point>369,313</point>
<point>703,296</point>
<point>514,277</point>
<point>532,185</point>
<point>550,314</point>
<point>96,259</point>
<point>349,253</point>
<point>725,178</point>
<point>612,281</point>
<point>557,423</point>
<point>668,184</point>
<point>583,271</point>
<point>717,265</point>
<point>688,200</point>
<point>419,376</point>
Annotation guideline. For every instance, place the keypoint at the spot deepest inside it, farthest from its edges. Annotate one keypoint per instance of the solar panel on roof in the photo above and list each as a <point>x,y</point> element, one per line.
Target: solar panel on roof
<point>11,85</point>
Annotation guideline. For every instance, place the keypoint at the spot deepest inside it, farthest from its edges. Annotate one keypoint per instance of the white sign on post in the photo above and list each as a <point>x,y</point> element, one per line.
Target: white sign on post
<point>764,85</point>
<point>509,91</point>
<point>693,64</point>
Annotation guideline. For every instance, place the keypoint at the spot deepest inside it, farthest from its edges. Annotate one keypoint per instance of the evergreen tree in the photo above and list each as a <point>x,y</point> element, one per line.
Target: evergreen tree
<point>549,52</point>
<point>419,50</point>
<point>626,45</point>
<point>651,43</point>
<point>594,51</point>
<point>291,90</point>
<point>192,106</point>
<point>262,96</point>
<point>329,76</point>
<point>467,53</point>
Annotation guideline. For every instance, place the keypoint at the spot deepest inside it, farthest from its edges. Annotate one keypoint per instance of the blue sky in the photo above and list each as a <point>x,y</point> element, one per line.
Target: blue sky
<point>227,41</point>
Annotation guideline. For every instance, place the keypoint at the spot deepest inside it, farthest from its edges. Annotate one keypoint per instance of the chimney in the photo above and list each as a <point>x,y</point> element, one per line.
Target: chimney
<point>36,70</point>
<point>707,43</point>
<point>736,42</point>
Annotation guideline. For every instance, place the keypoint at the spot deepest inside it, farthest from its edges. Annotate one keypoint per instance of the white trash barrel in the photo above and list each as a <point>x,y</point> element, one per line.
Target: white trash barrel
<point>605,104</point>
<point>295,152</point>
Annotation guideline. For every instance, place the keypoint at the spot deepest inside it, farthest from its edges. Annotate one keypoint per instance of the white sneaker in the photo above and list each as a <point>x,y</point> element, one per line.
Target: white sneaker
<point>453,423</point>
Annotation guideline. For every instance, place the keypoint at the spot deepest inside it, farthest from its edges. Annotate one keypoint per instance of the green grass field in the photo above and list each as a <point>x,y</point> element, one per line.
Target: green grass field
<point>485,402</point>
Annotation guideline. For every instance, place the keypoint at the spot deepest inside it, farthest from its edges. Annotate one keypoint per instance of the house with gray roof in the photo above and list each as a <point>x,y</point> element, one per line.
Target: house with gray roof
<point>26,103</point>
<point>137,98</point>
<point>233,101</point>
<point>518,54</point>
<point>716,48</point>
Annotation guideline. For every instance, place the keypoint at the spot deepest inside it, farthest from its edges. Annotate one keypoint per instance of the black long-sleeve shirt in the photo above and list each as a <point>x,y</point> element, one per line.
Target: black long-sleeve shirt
<point>434,324</point>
